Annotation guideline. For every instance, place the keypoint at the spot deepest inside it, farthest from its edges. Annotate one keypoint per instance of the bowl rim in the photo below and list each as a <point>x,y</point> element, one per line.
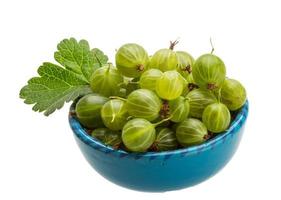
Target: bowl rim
<point>236,124</point>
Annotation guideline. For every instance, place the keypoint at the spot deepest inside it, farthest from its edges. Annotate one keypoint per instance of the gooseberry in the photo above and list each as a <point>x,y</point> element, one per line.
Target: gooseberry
<point>106,80</point>
<point>143,103</point>
<point>209,71</point>
<point>233,94</point>
<point>198,100</point>
<point>107,136</point>
<point>170,85</point>
<point>148,79</point>
<point>131,60</point>
<point>138,135</point>
<point>185,63</point>
<point>165,59</point>
<point>176,110</point>
<point>114,114</point>
<point>88,110</point>
<point>165,140</point>
<point>216,117</point>
<point>191,132</point>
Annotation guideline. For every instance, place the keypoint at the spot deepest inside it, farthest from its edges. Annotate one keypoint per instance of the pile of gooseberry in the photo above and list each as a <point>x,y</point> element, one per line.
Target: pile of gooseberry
<point>161,102</point>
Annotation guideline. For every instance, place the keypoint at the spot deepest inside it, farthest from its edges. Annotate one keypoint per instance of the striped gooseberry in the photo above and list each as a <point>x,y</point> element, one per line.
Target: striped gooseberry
<point>170,85</point>
<point>165,140</point>
<point>198,100</point>
<point>138,134</point>
<point>209,71</point>
<point>233,94</point>
<point>185,63</point>
<point>114,114</point>
<point>106,80</point>
<point>176,110</point>
<point>143,103</point>
<point>191,132</point>
<point>131,60</point>
<point>216,117</point>
<point>148,79</point>
<point>108,137</point>
<point>88,110</point>
<point>165,59</point>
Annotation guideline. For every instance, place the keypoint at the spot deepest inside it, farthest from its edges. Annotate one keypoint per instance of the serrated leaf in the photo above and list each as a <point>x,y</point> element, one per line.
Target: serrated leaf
<point>54,87</point>
<point>77,57</point>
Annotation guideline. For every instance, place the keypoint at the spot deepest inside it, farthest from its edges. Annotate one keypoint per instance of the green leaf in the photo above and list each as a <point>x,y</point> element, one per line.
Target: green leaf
<point>77,57</point>
<point>55,86</point>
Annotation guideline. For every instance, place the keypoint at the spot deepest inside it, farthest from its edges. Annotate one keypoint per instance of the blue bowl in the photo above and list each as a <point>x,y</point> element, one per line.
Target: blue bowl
<point>161,171</point>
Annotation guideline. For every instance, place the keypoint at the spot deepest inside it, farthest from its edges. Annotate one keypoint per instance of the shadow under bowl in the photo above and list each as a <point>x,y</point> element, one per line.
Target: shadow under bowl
<point>161,171</point>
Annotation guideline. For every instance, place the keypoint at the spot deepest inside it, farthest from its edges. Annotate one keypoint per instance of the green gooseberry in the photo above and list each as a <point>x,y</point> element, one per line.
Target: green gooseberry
<point>138,134</point>
<point>176,110</point>
<point>88,110</point>
<point>108,137</point>
<point>131,60</point>
<point>114,114</point>
<point>191,132</point>
<point>185,63</point>
<point>209,71</point>
<point>165,140</point>
<point>143,103</point>
<point>170,85</point>
<point>233,94</point>
<point>106,80</point>
<point>148,79</point>
<point>165,59</point>
<point>216,117</point>
<point>198,100</point>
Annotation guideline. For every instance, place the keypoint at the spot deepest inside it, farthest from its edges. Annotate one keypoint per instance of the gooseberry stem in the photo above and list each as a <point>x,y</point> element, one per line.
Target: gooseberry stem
<point>134,82</point>
<point>219,95</point>
<point>213,49</point>
<point>116,97</point>
<point>162,121</point>
<point>173,44</point>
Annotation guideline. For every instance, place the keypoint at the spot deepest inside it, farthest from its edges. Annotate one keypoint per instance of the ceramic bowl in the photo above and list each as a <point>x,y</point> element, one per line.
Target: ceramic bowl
<point>161,171</point>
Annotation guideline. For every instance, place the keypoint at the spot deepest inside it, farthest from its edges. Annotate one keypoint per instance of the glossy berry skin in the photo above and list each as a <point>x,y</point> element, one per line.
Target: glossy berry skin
<point>107,136</point>
<point>106,80</point>
<point>164,60</point>
<point>198,100</point>
<point>209,71</point>
<point>170,85</point>
<point>143,103</point>
<point>148,79</point>
<point>191,132</point>
<point>138,135</point>
<point>114,114</point>
<point>165,140</point>
<point>233,94</point>
<point>88,110</point>
<point>179,109</point>
<point>185,63</point>
<point>131,60</point>
<point>216,117</point>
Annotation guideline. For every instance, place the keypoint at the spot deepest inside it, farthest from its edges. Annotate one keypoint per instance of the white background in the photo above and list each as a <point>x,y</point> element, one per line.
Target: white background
<point>38,156</point>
